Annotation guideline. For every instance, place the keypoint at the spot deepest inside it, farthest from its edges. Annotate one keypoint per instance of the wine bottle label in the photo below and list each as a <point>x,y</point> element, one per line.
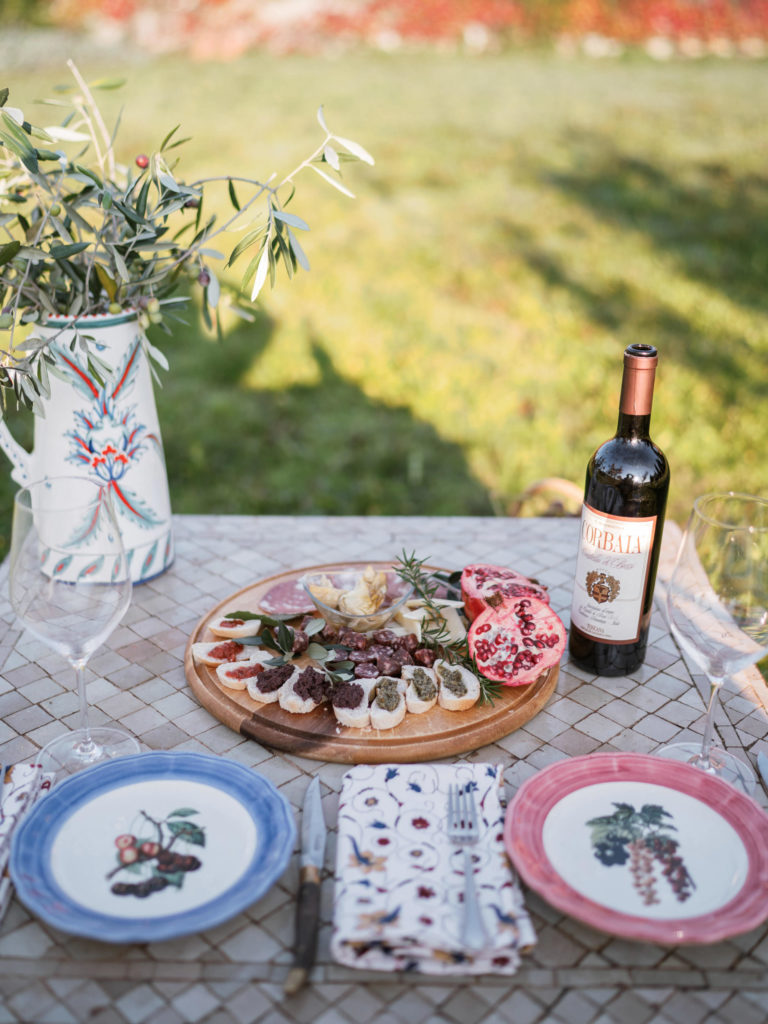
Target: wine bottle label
<point>611,575</point>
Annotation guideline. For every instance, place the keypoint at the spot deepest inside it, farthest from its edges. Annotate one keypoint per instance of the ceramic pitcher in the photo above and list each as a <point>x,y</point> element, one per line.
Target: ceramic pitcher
<point>108,432</point>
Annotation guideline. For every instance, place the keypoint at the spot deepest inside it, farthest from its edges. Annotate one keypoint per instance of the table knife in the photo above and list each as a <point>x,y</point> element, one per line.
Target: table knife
<point>313,835</point>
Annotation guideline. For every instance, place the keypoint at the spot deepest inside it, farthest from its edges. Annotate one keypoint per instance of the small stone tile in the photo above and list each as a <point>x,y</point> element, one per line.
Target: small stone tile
<point>30,1004</point>
<point>630,1009</point>
<point>599,727</point>
<point>139,1003</point>
<point>174,705</point>
<point>464,1007</point>
<point>575,743</point>
<point>164,737</point>
<point>121,705</point>
<point>656,729</point>
<point>685,1008</point>
<point>590,696</point>
<point>573,1008</point>
<point>545,726</point>
<point>153,691</point>
<point>144,720</point>
<point>195,1004</point>
<point>623,713</point>
<point>645,698</point>
<point>11,702</point>
<point>568,711</point>
<point>133,675</point>
<point>669,686</point>
<point>250,945</point>
<point>29,941</point>
<point>519,1007</point>
<point>41,690</point>
<point>554,948</point>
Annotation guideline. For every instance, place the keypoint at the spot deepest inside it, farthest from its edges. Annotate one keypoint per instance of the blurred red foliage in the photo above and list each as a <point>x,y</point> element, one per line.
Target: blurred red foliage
<point>222,28</point>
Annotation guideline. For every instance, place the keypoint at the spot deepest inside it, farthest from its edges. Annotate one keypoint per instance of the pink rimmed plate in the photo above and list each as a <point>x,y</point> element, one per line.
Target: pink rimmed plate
<point>642,847</point>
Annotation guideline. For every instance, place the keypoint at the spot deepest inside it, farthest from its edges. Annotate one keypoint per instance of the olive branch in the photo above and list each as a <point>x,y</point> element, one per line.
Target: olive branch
<point>82,233</point>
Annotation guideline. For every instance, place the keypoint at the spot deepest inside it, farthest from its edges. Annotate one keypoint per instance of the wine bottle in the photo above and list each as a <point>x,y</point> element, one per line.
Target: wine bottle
<point>622,520</point>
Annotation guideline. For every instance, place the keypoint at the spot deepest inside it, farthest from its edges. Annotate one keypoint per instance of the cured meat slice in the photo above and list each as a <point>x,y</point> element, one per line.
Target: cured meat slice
<point>287,597</point>
<point>517,640</point>
<point>482,585</point>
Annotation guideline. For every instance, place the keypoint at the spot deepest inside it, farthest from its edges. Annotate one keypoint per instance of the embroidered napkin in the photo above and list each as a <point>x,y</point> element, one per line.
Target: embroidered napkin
<point>22,785</point>
<point>400,881</point>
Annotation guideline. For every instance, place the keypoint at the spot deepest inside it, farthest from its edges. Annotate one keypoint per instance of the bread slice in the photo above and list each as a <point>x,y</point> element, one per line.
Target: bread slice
<point>359,716</point>
<point>234,629</point>
<point>459,688</point>
<point>421,689</point>
<point>219,652</point>
<point>306,690</point>
<point>388,707</point>
<point>267,685</point>
<point>235,675</point>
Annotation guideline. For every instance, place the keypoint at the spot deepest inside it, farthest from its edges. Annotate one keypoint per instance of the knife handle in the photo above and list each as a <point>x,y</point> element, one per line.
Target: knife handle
<point>307,923</point>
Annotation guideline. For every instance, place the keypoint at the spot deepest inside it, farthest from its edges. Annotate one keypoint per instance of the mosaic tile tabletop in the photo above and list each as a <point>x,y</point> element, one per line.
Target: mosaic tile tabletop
<point>234,973</point>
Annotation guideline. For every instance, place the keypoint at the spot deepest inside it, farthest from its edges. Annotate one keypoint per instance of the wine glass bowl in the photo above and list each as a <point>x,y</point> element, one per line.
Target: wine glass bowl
<point>69,584</point>
<point>717,604</point>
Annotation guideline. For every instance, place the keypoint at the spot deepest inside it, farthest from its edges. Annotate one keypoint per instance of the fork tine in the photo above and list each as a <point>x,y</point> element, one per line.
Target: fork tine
<point>466,819</point>
<point>471,811</point>
<point>463,810</point>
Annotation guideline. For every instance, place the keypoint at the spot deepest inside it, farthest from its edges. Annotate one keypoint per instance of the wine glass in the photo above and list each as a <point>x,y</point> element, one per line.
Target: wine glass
<point>717,604</point>
<point>70,585</point>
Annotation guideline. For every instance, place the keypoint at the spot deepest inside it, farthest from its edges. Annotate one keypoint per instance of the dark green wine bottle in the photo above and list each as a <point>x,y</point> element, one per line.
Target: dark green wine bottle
<point>622,520</point>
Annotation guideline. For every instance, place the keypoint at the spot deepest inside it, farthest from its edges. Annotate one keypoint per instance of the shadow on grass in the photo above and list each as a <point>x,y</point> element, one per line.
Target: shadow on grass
<point>321,448</point>
<point>713,221</point>
<point>324,448</point>
<point>634,315</point>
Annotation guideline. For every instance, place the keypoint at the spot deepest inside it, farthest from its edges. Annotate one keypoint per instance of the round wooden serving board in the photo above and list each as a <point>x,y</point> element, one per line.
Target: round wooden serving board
<point>437,733</point>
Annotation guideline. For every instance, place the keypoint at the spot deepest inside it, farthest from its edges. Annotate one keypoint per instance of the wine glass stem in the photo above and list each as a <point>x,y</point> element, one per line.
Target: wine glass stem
<point>86,745</point>
<point>709,724</point>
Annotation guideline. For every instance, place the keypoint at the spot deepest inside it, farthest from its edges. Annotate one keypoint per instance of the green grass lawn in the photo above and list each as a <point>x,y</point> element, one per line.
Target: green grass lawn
<point>461,332</point>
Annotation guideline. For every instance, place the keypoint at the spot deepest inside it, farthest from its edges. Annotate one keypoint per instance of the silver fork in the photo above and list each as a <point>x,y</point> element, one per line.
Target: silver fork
<point>463,830</point>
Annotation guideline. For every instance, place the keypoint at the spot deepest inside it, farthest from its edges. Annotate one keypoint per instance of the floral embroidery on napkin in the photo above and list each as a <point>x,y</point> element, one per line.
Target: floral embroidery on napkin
<point>22,785</point>
<point>400,881</point>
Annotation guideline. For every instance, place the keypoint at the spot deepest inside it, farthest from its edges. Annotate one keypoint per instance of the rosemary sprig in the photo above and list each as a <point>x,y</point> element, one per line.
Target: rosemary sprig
<point>434,630</point>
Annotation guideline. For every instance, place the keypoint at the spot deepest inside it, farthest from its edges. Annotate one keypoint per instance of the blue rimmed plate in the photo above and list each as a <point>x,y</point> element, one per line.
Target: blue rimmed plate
<point>151,847</point>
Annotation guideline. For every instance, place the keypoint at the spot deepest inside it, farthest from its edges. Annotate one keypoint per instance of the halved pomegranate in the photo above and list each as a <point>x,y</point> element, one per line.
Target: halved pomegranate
<point>483,585</point>
<point>517,640</point>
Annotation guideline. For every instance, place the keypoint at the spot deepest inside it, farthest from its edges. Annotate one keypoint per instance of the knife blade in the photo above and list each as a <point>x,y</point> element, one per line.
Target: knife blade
<point>313,836</point>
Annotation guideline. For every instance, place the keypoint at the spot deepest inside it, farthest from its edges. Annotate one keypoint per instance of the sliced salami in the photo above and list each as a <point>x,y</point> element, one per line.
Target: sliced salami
<point>287,597</point>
